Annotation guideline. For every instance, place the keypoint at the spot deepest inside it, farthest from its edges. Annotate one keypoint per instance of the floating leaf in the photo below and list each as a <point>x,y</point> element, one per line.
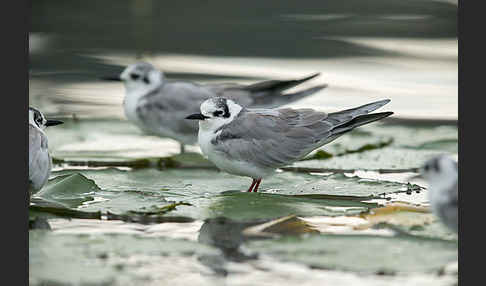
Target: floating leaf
<point>361,253</point>
<point>69,190</point>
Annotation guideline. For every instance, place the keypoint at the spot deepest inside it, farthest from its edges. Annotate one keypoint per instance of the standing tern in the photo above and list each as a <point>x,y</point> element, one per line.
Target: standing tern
<point>255,142</point>
<point>40,161</point>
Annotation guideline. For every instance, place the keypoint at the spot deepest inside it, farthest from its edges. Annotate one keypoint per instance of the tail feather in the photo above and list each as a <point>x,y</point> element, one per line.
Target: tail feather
<point>363,109</point>
<point>344,116</point>
<point>277,85</point>
<point>359,121</point>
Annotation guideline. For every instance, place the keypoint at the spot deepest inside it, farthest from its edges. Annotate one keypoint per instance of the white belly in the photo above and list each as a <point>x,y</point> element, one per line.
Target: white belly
<point>226,164</point>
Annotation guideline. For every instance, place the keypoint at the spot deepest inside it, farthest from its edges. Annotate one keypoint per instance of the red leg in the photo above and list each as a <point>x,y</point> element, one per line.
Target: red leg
<point>257,184</point>
<point>252,184</point>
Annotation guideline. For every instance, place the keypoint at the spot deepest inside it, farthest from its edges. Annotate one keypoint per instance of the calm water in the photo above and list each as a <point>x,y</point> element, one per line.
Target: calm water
<point>365,50</point>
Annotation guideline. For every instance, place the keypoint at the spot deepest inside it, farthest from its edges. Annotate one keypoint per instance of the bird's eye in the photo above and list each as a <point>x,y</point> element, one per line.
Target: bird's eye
<point>146,80</point>
<point>426,167</point>
<point>134,76</point>
<point>217,113</point>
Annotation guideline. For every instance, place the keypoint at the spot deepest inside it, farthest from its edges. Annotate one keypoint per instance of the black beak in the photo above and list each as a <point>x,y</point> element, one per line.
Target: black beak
<point>53,122</point>
<point>111,78</point>
<point>197,116</point>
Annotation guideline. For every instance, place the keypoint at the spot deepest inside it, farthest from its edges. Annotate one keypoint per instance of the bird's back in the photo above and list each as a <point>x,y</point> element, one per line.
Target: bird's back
<point>272,138</point>
<point>163,111</point>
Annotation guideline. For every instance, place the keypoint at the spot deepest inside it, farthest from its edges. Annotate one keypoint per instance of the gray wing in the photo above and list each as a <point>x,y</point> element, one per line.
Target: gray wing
<point>168,106</point>
<point>272,139</point>
<point>278,137</point>
<point>39,159</point>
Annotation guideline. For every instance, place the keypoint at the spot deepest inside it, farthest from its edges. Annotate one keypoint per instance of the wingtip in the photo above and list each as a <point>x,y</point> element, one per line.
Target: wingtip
<point>387,114</point>
<point>316,74</point>
<point>383,101</point>
<point>320,87</point>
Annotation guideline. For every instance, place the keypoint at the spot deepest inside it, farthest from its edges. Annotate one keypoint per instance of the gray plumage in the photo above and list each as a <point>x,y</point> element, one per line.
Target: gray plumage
<point>275,138</point>
<point>448,211</point>
<point>442,176</point>
<point>39,160</point>
<point>255,142</point>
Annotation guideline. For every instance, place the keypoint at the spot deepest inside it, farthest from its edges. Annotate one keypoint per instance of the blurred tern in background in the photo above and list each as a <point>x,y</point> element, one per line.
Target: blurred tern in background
<point>158,106</point>
<point>441,174</point>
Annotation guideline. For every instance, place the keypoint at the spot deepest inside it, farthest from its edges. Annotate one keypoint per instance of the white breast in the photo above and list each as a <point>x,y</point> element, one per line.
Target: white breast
<point>39,162</point>
<point>438,191</point>
<point>225,163</point>
<point>130,106</point>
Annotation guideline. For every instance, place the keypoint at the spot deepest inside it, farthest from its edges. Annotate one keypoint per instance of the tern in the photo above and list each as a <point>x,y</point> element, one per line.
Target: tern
<point>255,142</point>
<point>441,174</point>
<point>40,161</point>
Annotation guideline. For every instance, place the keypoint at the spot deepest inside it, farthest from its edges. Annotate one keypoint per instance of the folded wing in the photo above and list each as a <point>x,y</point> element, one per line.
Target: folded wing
<point>275,138</point>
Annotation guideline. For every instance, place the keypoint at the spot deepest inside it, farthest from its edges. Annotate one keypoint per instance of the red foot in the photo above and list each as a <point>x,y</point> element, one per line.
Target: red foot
<point>252,184</point>
<point>257,184</point>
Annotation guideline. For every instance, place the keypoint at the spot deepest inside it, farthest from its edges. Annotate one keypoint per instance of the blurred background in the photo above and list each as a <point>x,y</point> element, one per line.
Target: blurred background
<point>365,50</point>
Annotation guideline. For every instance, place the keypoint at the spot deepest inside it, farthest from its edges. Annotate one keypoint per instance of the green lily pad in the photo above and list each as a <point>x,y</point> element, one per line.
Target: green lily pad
<point>69,190</point>
<point>387,158</point>
<point>209,193</point>
<point>70,195</point>
<point>362,253</point>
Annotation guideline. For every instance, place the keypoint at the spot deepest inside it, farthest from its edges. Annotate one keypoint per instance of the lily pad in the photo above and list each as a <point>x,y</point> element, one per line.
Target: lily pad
<point>386,158</point>
<point>69,190</point>
<point>211,193</point>
<point>362,253</point>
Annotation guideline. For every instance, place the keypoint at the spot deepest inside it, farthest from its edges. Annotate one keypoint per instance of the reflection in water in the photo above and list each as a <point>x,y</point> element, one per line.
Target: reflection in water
<point>225,234</point>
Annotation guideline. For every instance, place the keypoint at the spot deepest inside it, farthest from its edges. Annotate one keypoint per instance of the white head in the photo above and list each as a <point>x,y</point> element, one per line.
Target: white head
<point>141,77</point>
<point>216,112</point>
<point>441,174</point>
<point>441,168</point>
<point>37,119</point>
